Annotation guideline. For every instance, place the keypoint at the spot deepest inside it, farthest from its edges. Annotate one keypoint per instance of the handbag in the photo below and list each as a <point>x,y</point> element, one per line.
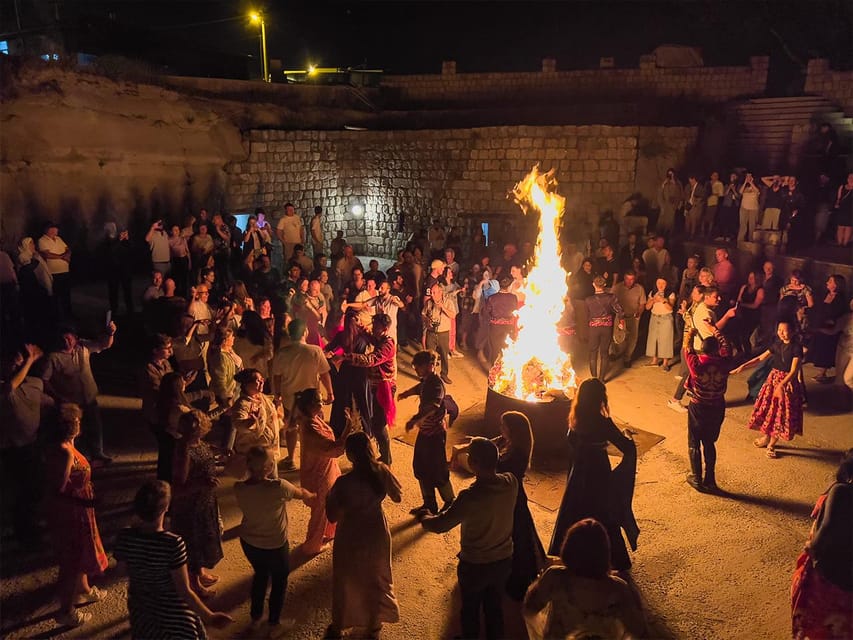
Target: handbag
<point>620,332</point>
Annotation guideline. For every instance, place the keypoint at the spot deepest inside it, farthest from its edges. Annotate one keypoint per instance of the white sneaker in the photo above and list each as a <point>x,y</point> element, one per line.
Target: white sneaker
<point>94,595</point>
<point>74,619</point>
<point>675,405</point>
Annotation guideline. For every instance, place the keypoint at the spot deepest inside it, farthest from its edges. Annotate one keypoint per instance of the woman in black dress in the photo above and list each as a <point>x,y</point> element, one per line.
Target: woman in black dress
<point>528,555</point>
<point>592,489</point>
<point>823,320</point>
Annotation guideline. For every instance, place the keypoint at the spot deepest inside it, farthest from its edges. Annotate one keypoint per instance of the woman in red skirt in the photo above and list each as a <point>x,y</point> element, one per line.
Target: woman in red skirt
<point>822,586</point>
<point>778,410</point>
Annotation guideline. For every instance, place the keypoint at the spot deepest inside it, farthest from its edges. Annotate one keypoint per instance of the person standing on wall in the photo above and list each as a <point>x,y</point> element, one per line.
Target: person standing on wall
<point>290,232</point>
<point>57,255</point>
<point>316,227</point>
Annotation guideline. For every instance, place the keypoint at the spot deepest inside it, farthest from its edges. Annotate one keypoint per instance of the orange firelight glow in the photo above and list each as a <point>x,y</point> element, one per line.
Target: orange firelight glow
<point>533,367</point>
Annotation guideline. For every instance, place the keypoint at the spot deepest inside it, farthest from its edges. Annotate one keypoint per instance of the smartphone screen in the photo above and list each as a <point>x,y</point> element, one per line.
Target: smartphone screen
<point>109,317</point>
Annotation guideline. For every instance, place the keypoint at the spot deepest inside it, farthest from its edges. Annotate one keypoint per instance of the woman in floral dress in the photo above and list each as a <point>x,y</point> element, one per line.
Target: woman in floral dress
<point>318,467</point>
<point>778,410</point>
<point>195,509</point>
<point>72,518</point>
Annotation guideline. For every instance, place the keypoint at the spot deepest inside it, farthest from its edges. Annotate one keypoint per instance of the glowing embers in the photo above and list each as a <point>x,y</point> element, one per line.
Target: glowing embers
<point>532,366</point>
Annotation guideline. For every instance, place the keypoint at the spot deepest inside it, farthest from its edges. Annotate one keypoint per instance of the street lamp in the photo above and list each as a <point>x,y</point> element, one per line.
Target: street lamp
<point>258,18</point>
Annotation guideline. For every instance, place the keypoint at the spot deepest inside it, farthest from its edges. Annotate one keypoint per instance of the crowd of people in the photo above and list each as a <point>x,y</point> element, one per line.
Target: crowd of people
<point>242,357</point>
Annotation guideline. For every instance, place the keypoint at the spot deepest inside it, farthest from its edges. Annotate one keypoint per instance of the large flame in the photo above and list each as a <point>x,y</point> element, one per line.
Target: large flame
<point>533,367</point>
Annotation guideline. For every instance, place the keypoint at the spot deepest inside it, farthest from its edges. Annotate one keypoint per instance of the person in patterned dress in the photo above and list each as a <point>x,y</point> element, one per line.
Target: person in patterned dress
<point>195,509</point>
<point>778,410</point>
<point>160,601</point>
<point>72,518</point>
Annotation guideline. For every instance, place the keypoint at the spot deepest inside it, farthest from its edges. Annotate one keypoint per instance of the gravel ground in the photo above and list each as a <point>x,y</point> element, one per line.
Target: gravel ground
<point>707,566</point>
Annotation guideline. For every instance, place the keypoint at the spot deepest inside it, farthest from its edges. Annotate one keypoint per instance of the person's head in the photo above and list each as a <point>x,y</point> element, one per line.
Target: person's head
<point>309,403</point>
<point>253,327</point>
<point>753,279</point>
<point>696,293</point>
<point>321,260</point>
<point>385,288</point>
<point>607,252</point>
<point>510,249</point>
<point>297,330</point>
<point>448,275</point>
<point>70,415</point>
<point>692,179</point>
<point>289,209</point>
<point>294,271</point>
<point>185,323</point>
<point>449,255</point>
<point>586,265</point>
<point>161,347</point>
<point>193,426</point>
<point>263,263</point>
<point>482,456</point>
<point>259,463</point>
<point>629,278</point>
<point>437,292</point>
<point>586,550</point>
<point>835,284</point>
<point>670,174</point>
<point>298,251</point>
<point>202,229</point>
<point>796,277</point>
<point>358,277</point>
<point>505,283</point>
<point>845,469</point>
<point>715,176</point>
<point>599,284</point>
<point>706,277</point>
<point>710,346</point>
<point>318,210</point>
<point>515,272</point>
<point>152,500</point>
<point>217,220</point>
<point>70,340</point>
<point>589,402</point>
<point>424,362</point>
<point>264,307</point>
<point>202,292</point>
<point>370,284</point>
<point>515,428</point>
<point>314,287</point>
<point>768,269</point>
<point>157,278</point>
<point>381,324</point>
<point>251,382</point>
<point>849,180</point>
<point>660,284</point>
<point>203,214</point>
<point>175,231</point>
<point>339,234</point>
<point>224,338</point>
<point>783,332</point>
<point>373,265</point>
<point>659,242</point>
<point>169,288</point>
<point>302,285</point>
<point>436,268</point>
<point>349,252</point>
<point>323,276</point>
<point>692,263</point>
<point>711,296</point>
<point>733,177</point>
<point>360,450</point>
<point>721,254</point>
<point>792,183</point>
<point>51,230</point>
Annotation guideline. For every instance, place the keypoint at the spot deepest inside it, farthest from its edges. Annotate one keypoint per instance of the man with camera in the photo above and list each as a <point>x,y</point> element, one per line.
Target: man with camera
<point>158,245</point>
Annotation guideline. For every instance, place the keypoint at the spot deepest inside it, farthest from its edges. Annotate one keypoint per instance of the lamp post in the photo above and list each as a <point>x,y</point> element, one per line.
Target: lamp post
<point>258,18</point>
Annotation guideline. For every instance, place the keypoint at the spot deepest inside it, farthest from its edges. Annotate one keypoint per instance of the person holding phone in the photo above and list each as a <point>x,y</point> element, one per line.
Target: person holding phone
<point>158,245</point>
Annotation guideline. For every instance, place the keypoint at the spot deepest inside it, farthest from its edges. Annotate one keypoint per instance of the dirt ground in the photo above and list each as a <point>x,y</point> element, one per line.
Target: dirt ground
<point>707,566</point>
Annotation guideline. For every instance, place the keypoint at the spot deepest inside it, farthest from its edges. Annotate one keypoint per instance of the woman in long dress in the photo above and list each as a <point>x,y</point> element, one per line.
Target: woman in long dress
<point>823,320</point>
<point>528,555</point>
<point>661,324</point>
<point>160,601</point>
<point>257,422</point>
<point>592,489</point>
<point>778,409</point>
<point>195,509</point>
<point>318,469</point>
<point>74,530</point>
<point>362,584</point>
<point>822,586</point>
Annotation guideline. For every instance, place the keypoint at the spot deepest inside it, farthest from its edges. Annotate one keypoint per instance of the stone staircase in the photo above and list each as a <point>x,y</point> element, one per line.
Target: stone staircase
<point>772,134</point>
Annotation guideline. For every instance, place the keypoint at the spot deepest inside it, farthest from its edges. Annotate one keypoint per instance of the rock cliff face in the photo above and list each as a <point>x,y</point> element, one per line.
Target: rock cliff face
<point>83,149</point>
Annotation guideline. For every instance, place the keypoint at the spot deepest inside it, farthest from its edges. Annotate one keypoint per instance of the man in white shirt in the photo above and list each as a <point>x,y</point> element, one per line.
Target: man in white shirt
<point>290,232</point>
<point>296,367</point>
<point>317,231</point>
<point>158,245</point>
<point>57,255</point>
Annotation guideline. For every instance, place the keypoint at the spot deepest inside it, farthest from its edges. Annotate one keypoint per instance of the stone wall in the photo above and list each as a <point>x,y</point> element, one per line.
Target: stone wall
<point>459,175</point>
<point>705,84</point>
<point>835,85</point>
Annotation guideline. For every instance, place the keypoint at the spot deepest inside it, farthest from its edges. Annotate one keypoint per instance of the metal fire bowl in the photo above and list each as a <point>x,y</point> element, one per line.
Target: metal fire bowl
<point>549,421</point>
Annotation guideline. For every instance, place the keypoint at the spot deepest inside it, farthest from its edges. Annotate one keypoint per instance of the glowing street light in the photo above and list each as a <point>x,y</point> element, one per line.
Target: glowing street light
<point>258,18</point>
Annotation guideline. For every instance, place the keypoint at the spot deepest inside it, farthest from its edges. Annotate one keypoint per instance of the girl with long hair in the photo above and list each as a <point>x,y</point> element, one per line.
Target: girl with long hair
<point>362,583</point>
<point>592,489</point>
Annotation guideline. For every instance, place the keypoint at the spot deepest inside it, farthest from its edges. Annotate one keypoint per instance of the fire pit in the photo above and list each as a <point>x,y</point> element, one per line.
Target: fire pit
<point>532,374</point>
<point>549,421</point>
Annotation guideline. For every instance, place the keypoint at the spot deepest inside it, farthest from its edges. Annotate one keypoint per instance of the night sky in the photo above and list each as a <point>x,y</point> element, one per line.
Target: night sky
<point>415,36</point>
